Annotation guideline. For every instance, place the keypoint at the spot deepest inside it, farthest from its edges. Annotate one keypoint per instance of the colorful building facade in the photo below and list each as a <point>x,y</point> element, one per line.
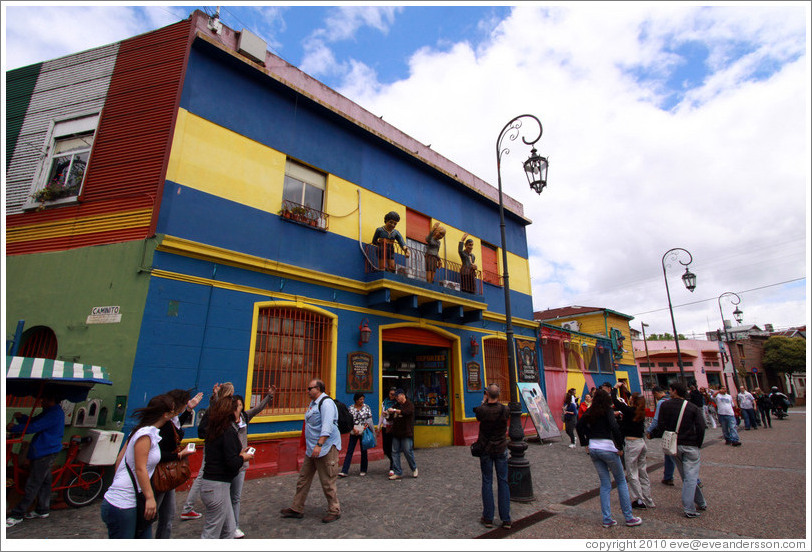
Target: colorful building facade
<point>583,347</point>
<point>188,209</point>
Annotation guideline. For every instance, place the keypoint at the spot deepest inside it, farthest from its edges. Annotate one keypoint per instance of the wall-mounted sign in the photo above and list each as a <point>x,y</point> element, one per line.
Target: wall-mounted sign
<point>474,381</point>
<point>359,372</point>
<point>104,315</point>
<point>526,359</point>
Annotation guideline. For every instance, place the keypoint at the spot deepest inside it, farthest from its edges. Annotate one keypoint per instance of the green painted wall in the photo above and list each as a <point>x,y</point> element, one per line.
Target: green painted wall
<point>59,290</point>
<point>20,85</point>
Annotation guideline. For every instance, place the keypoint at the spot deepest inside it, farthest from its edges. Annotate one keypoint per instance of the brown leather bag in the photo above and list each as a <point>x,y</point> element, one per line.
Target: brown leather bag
<point>171,474</point>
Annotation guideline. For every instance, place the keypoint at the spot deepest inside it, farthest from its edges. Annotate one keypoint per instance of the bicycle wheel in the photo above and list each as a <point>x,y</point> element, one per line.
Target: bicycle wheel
<point>83,489</point>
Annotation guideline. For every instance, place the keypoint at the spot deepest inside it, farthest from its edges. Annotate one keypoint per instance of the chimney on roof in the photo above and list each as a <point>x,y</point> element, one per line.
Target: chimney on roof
<point>768,328</point>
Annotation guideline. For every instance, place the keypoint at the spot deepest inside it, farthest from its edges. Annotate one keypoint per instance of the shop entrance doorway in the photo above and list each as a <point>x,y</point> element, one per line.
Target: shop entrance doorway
<point>422,368</point>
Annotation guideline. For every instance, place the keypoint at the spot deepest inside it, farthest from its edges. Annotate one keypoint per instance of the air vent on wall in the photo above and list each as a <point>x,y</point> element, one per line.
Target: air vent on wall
<point>252,47</point>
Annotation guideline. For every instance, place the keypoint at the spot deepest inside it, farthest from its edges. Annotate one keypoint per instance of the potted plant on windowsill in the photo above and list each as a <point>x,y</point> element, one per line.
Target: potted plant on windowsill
<point>52,191</point>
<point>284,212</point>
<point>299,214</point>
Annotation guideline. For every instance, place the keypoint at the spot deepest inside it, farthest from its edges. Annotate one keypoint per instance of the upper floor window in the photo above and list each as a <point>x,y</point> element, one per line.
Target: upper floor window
<point>494,351</point>
<point>63,173</point>
<point>304,186</point>
<point>490,265</point>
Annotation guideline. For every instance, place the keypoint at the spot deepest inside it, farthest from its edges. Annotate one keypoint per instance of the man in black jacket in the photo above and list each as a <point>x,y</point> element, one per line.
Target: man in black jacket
<point>690,434</point>
<point>493,419</point>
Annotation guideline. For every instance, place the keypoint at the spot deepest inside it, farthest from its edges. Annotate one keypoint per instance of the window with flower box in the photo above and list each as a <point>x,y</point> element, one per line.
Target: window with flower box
<point>63,172</point>
<point>303,195</point>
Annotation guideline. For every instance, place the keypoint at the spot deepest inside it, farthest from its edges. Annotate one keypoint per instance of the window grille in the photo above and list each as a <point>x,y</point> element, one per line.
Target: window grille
<point>551,353</point>
<point>293,347</point>
<point>496,365</point>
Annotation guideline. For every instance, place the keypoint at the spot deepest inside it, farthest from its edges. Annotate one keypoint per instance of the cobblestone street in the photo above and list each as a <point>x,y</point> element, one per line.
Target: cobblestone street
<point>758,490</point>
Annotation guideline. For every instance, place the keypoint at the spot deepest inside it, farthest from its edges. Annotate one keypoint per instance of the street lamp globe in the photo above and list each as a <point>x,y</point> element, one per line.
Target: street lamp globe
<point>689,278</point>
<point>536,169</point>
<point>738,315</point>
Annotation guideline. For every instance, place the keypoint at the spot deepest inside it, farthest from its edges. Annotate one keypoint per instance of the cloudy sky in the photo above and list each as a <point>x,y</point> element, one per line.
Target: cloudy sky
<point>667,125</point>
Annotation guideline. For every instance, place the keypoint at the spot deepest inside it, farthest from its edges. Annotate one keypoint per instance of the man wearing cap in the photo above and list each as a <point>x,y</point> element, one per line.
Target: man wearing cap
<point>402,416</point>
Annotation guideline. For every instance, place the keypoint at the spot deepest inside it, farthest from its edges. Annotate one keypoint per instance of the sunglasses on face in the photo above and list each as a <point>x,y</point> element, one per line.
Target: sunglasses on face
<point>311,388</point>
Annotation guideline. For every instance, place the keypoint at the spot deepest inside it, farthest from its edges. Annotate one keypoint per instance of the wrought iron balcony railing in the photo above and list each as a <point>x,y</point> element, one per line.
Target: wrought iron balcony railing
<point>305,215</point>
<point>390,257</point>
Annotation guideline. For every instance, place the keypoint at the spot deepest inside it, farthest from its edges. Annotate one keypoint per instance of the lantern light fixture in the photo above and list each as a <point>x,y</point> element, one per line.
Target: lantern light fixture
<point>365,332</point>
<point>474,347</point>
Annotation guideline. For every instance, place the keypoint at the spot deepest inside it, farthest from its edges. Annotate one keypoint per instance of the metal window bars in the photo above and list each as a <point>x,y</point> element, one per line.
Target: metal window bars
<point>292,348</point>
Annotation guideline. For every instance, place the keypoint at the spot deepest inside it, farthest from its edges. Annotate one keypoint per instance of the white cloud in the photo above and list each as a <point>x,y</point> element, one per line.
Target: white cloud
<point>724,175</point>
<point>44,30</point>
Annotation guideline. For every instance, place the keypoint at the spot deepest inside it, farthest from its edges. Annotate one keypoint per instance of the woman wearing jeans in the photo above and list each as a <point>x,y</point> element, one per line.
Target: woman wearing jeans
<point>362,419</point>
<point>224,457</point>
<point>243,417</point>
<point>599,432</point>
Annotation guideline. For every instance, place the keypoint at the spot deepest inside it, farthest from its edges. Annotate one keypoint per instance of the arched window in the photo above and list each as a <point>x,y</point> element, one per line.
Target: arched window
<point>293,346</point>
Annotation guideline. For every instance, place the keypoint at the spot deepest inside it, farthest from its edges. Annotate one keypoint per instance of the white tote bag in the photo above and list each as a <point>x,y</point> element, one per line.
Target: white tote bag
<point>670,437</point>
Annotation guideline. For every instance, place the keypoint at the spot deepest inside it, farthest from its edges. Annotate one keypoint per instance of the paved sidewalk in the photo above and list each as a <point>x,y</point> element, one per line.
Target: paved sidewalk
<point>757,490</point>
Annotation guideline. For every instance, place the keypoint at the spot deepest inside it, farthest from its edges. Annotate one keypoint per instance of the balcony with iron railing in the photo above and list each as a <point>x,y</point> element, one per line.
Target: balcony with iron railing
<point>390,261</point>
<point>304,215</point>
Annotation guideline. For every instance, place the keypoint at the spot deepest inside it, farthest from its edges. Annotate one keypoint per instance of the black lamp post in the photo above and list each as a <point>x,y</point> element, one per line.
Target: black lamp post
<point>521,483</point>
<point>643,327</point>
<point>737,314</point>
<point>689,279</point>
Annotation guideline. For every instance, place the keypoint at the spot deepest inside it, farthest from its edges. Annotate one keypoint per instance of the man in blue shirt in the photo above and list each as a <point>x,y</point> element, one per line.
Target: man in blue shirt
<point>49,428</point>
<point>322,442</point>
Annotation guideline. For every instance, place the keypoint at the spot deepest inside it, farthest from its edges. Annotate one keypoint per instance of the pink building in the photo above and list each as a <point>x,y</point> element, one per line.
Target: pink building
<point>702,363</point>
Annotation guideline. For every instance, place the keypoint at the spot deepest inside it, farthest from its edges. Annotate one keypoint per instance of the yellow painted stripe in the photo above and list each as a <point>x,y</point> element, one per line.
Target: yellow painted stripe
<point>188,248</point>
<point>78,226</point>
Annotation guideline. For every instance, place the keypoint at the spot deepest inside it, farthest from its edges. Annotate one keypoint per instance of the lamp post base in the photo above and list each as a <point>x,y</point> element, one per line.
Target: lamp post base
<point>520,479</point>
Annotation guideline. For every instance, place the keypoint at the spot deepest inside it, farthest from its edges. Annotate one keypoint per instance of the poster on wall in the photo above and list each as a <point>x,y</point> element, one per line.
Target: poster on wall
<point>474,376</point>
<point>526,358</point>
<point>359,372</point>
<point>539,411</point>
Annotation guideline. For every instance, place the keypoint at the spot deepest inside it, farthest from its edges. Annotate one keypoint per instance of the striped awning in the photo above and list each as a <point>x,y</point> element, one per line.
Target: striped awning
<point>56,371</point>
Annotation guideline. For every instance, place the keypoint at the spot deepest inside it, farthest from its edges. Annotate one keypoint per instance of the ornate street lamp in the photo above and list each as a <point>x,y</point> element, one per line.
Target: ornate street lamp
<point>689,279</point>
<point>521,483</point>
<point>643,327</point>
<point>737,314</point>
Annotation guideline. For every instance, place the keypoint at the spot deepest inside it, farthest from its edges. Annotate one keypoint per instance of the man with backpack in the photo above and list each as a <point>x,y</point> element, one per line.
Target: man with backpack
<point>322,444</point>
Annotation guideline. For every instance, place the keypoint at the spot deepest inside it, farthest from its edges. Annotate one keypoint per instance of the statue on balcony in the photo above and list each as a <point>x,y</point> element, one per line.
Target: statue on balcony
<point>433,261</point>
<point>468,270</point>
<point>385,237</point>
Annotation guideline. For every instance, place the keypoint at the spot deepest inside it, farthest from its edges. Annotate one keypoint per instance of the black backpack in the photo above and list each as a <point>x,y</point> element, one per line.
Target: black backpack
<point>345,420</point>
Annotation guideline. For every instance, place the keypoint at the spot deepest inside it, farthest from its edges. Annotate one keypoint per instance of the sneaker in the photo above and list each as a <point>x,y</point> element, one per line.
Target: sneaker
<point>639,504</point>
<point>414,473</point>
<point>391,472</point>
<point>291,513</point>
<point>238,534</point>
<point>363,474</point>
<point>669,482</point>
<point>692,514</point>
<point>702,508</point>
<point>488,523</point>
<point>12,521</point>
<point>634,522</point>
<point>34,514</point>
<point>607,525</point>
<point>191,514</point>
<point>506,524</point>
<point>394,476</point>
<point>728,442</point>
<point>572,445</point>
<point>737,443</point>
<point>330,518</point>
<point>342,474</point>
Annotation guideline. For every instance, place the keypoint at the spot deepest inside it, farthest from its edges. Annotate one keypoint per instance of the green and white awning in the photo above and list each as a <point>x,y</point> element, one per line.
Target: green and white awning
<point>55,371</point>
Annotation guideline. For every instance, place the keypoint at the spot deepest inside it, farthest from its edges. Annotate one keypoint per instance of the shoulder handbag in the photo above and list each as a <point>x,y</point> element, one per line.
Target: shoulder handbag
<point>477,449</point>
<point>172,473</point>
<point>141,522</point>
<point>669,443</point>
<point>368,440</point>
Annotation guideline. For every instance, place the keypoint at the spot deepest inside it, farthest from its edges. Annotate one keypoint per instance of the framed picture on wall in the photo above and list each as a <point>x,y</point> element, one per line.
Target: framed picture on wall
<point>526,360</point>
<point>474,380</point>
